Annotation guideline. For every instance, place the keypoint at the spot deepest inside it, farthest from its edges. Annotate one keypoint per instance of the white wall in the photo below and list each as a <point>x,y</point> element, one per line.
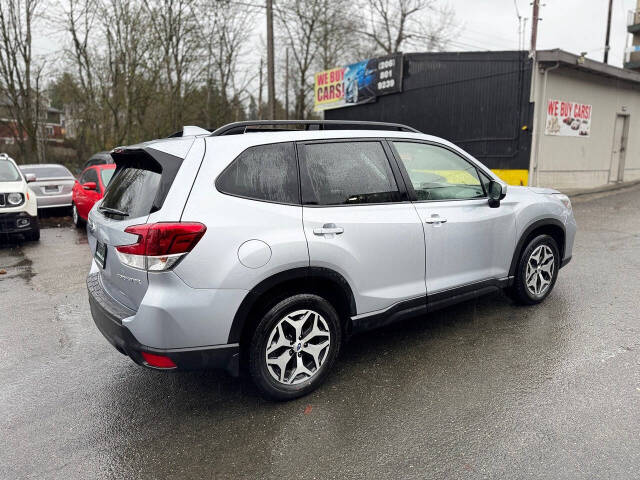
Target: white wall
<point>584,162</point>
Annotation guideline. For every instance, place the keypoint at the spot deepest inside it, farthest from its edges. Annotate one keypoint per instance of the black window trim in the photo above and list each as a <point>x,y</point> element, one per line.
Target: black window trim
<point>395,171</point>
<point>407,180</point>
<point>244,197</point>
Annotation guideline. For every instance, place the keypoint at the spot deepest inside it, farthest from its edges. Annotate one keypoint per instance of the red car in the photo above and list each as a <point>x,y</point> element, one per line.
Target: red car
<point>88,189</point>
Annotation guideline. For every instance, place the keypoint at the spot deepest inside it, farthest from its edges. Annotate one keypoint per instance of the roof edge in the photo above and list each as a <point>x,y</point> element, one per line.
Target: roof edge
<point>586,64</point>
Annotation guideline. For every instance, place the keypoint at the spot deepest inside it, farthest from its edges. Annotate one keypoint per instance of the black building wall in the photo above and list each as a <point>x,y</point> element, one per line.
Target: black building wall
<point>477,100</point>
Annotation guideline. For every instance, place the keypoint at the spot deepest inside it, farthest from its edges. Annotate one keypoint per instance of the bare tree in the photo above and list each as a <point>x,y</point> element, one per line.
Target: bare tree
<point>20,76</point>
<point>394,24</point>
<point>225,31</point>
<point>176,33</point>
<point>113,57</point>
<point>299,21</point>
<point>336,35</point>
<point>142,68</point>
<point>83,104</point>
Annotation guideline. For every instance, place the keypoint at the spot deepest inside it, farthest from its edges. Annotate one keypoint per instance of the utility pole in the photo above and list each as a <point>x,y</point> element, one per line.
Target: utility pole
<point>260,91</point>
<point>534,27</point>
<point>286,85</point>
<point>606,42</point>
<point>271,84</point>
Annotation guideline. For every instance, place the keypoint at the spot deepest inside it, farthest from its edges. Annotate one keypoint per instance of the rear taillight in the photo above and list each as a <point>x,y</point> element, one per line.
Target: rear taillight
<point>160,246</point>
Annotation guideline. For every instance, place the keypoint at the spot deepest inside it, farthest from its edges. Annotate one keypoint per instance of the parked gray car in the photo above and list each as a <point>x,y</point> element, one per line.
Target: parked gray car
<point>53,184</point>
<point>266,249</point>
<point>100,158</point>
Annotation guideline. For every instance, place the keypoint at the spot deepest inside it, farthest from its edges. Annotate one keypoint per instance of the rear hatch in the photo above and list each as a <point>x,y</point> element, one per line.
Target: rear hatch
<point>138,188</point>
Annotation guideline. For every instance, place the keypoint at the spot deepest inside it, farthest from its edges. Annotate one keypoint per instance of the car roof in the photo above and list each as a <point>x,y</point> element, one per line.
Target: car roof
<point>277,136</point>
<point>100,156</point>
<point>42,165</point>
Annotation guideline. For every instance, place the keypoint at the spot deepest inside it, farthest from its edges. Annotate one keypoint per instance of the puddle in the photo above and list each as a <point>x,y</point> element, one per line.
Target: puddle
<point>23,268</point>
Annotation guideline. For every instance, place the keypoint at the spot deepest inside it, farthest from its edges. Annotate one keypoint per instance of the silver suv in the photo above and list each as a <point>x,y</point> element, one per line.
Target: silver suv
<point>263,247</point>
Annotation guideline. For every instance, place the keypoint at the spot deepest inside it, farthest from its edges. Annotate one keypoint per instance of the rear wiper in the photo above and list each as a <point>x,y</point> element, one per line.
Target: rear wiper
<point>113,211</point>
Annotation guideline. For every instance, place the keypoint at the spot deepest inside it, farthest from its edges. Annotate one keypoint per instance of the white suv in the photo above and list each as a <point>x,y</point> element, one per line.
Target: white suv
<point>18,204</point>
<point>267,248</point>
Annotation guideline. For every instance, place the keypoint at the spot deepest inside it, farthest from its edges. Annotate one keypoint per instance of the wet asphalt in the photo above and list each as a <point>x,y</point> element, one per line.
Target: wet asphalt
<point>485,389</point>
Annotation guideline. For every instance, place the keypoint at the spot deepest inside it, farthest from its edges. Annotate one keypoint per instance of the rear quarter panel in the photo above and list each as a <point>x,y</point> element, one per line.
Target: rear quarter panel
<point>264,230</point>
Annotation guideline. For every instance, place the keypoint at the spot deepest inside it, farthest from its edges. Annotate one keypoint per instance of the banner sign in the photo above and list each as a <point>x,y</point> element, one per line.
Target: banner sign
<point>358,83</point>
<point>568,119</point>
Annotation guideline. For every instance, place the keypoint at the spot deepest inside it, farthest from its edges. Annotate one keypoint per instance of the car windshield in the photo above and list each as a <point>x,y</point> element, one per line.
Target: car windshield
<point>49,171</point>
<point>8,172</point>
<point>106,175</point>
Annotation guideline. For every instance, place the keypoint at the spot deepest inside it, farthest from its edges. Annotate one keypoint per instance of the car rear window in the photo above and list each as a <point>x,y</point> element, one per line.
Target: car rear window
<point>8,172</point>
<point>132,192</point>
<point>140,184</point>
<point>54,171</point>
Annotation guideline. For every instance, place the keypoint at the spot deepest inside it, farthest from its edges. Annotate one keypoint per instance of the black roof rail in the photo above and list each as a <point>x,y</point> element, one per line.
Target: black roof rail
<point>253,126</point>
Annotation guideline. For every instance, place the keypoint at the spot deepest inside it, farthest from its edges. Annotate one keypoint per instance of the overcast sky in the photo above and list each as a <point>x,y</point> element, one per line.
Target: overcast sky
<point>573,25</point>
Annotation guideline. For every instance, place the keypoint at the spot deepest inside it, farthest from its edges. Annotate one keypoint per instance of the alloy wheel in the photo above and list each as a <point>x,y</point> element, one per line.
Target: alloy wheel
<point>297,347</point>
<point>74,214</point>
<point>540,270</point>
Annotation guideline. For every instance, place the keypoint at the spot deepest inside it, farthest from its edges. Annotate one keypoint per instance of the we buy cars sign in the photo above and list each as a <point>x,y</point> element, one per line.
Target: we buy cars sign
<point>358,83</point>
<point>568,119</point>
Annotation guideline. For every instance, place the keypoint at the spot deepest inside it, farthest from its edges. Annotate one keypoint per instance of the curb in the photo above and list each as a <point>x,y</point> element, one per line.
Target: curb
<point>602,189</point>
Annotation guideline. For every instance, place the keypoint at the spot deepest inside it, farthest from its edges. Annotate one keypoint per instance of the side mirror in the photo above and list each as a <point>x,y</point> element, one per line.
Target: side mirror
<point>89,186</point>
<point>497,192</point>
<point>30,177</point>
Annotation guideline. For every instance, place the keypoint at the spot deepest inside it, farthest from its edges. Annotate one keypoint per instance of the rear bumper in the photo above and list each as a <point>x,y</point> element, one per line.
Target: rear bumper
<point>108,315</point>
<point>53,201</point>
<point>12,222</point>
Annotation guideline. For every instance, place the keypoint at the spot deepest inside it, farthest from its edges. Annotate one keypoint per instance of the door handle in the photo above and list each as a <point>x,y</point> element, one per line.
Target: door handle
<point>328,229</point>
<point>435,219</point>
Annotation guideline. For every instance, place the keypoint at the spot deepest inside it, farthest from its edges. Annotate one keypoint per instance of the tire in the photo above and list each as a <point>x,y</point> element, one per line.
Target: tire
<point>34,234</point>
<point>541,251</point>
<point>306,364</point>
<point>77,220</point>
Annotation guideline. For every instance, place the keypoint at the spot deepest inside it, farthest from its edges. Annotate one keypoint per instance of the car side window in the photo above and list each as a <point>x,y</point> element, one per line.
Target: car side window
<point>264,172</point>
<point>346,173</point>
<point>92,176</point>
<point>437,173</point>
